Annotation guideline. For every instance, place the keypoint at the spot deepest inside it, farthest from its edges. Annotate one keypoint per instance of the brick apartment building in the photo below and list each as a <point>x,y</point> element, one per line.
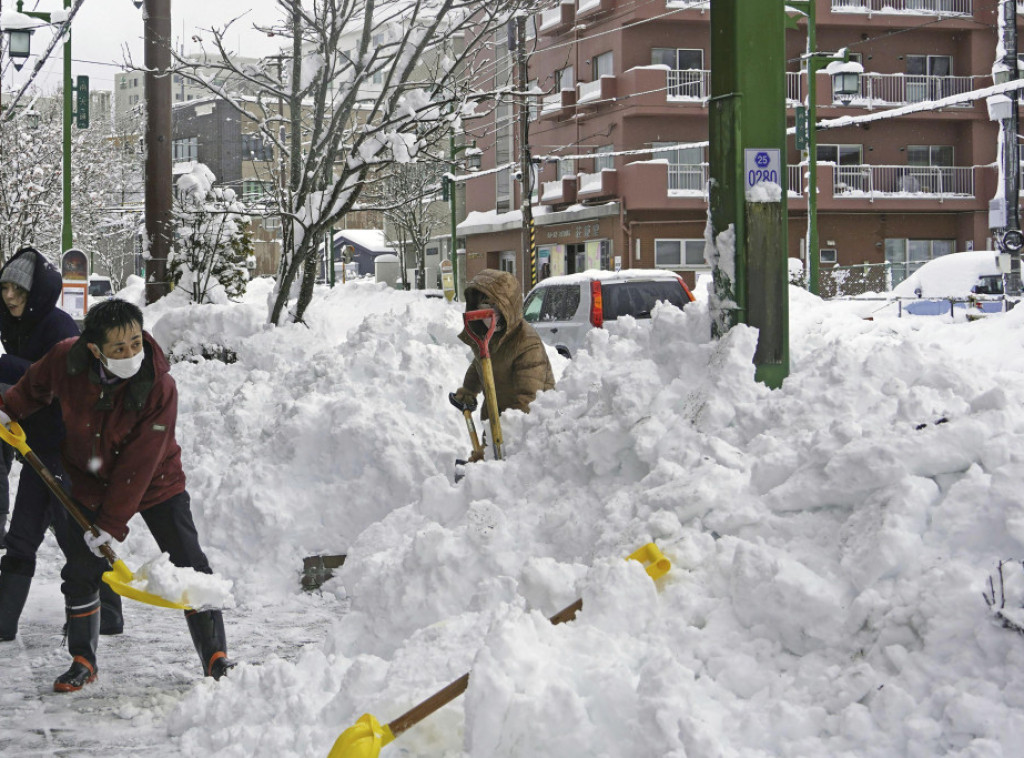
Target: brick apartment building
<point>622,76</point>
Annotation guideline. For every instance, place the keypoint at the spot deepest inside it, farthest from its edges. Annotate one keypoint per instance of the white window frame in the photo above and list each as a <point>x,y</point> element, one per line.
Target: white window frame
<point>828,255</point>
<point>684,243</point>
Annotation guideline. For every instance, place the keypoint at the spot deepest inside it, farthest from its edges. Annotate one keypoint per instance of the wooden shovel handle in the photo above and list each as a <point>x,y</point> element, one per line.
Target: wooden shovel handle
<point>444,696</point>
<point>15,437</point>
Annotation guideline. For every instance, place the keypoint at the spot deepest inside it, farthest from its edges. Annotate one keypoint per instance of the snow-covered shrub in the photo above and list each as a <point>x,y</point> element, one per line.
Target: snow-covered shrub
<point>212,241</point>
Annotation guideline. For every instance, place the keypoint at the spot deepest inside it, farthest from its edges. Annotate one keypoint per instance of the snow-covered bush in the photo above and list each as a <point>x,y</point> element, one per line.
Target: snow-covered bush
<point>213,240</point>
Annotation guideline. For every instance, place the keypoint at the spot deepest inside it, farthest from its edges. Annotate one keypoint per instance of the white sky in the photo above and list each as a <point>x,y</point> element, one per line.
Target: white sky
<point>104,29</point>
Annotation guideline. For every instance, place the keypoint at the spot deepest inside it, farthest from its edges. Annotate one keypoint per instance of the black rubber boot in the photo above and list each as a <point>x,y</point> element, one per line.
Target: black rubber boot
<point>15,579</point>
<point>111,618</point>
<point>83,616</point>
<point>207,629</point>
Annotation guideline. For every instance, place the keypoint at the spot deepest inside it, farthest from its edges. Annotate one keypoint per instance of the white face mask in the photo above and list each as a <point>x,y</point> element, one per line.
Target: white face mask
<point>124,368</point>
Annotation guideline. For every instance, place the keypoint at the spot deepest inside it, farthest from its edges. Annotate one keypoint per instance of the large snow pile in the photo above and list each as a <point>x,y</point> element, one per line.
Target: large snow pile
<point>831,540</point>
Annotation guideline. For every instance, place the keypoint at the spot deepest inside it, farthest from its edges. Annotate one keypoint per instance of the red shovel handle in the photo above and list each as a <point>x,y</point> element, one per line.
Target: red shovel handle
<point>482,342</point>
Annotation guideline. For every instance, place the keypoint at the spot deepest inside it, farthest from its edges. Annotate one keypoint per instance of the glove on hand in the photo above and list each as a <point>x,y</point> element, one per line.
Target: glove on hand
<point>96,541</point>
<point>462,400</point>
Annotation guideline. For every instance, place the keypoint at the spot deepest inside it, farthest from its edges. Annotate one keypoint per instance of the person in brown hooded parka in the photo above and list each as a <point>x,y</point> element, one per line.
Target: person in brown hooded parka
<point>518,358</point>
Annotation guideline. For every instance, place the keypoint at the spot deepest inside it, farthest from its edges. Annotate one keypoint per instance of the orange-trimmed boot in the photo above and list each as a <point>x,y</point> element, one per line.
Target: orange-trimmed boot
<point>80,674</point>
<point>83,628</point>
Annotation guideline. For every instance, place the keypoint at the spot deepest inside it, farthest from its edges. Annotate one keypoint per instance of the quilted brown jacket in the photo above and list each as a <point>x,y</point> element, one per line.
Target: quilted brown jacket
<point>518,359</point>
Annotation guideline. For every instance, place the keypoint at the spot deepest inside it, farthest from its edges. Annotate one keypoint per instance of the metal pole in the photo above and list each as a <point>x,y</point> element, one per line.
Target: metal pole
<point>65,231</point>
<point>157,58</point>
<point>1011,149</point>
<point>454,213</point>
<point>813,283</point>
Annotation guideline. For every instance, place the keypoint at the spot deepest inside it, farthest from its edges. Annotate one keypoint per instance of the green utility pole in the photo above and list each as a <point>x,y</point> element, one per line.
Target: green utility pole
<point>747,120</point>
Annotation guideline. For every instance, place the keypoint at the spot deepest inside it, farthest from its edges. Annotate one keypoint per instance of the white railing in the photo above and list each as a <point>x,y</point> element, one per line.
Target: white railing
<point>589,91</point>
<point>899,89</point>
<point>690,178</point>
<point>689,84</point>
<point>794,86</point>
<point>589,183</point>
<point>924,181</point>
<point>587,5</point>
<point>795,177</point>
<point>914,7</point>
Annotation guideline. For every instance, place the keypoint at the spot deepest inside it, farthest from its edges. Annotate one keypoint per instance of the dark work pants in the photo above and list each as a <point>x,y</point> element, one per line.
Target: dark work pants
<point>172,527</point>
<point>35,508</point>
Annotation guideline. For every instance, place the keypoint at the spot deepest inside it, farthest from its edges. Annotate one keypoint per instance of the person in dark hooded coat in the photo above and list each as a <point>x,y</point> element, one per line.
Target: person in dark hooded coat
<point>519,360</point>
<point>30,324</point>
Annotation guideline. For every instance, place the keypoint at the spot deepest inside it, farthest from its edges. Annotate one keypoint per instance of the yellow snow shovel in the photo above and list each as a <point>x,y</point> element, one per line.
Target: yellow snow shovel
<point>367,736</point>
<point>490,395</point>
<point>120,576</point>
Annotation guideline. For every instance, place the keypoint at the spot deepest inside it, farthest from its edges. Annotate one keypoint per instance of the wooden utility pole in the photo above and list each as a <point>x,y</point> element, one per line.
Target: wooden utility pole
<point>525,158</point>
<point>159,181</point>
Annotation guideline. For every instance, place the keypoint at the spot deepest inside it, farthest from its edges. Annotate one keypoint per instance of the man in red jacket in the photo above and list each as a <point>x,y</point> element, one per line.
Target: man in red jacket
<point>120,406</point>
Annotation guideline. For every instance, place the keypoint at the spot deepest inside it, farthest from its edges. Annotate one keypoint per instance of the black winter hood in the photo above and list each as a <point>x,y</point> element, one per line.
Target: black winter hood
<point>42,298</point>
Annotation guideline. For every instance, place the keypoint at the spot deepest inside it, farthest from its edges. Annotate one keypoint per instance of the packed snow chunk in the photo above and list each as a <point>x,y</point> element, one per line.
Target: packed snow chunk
<point>183,585</point>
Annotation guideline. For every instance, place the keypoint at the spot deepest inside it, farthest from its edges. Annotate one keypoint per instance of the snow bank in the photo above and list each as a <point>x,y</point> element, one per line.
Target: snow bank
<point>831,539</point>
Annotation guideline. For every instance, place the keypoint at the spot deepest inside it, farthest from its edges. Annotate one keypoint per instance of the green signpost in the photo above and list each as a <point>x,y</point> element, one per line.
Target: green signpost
<point>749,179</point>
<point>82,103</point>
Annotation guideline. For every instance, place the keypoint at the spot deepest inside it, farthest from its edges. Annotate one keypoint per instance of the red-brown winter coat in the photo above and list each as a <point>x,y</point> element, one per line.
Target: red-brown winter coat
<point>119,448</point>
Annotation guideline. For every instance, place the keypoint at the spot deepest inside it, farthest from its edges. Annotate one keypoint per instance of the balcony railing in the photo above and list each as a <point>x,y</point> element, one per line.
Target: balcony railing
<point>889,181</point>
<point>911,7</point>
<point>899,89</point>
<point>599,89</point>
<point>795,177</point>
<point>794,86</point>
<point>688,178</point>
<point>689,84</point>
<point>560,17</point>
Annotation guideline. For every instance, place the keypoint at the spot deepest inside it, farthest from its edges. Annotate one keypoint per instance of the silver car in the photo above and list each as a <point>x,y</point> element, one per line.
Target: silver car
<point>564,308</point>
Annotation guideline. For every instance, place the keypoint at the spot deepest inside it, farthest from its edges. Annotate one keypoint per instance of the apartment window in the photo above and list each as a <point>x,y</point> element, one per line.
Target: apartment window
<point>502,156</point>
<point>602,65</point>
<point>508,262</point>
<point>849,171</point>
<point>565,79</point>
<point>905,256</point>
<point>272,222</point>
<point>254,148</point>
<point>534,102</point>
<point>254,189</point>
<point>928,77</point>
<point>679,253</point>
<point>828,256</point>
<point>186,149</point>
<point>929,155</point>
<point>565,167</point>
<point>378,75</point>
<point>603,158</point>
<point>678,59</point>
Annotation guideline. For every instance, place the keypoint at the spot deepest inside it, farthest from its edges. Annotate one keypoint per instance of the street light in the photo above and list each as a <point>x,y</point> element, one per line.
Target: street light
<point>19,44</point>
<point>845,84</point>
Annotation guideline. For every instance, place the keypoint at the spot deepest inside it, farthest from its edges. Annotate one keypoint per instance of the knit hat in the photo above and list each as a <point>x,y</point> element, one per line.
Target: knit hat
<point>20,270</point>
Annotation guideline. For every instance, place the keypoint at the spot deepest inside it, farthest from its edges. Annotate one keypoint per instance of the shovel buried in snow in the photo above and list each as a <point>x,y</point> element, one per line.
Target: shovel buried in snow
<point>367,736</point>
<point>120,576</point>
<point>490,396</point>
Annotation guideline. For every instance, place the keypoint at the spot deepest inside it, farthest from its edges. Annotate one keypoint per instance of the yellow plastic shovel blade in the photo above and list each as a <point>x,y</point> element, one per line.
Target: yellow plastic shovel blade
<point>364,739</point>
<point>120,578</point>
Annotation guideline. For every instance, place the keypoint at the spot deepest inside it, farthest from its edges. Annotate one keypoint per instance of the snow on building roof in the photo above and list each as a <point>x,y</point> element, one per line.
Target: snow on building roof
<point>371,239</point>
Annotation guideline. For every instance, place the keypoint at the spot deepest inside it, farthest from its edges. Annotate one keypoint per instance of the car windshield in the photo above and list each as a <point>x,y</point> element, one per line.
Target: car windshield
<point>989,285</point>
<point>555,303</point>
<point>99,288</point>
<point>638,298</point>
